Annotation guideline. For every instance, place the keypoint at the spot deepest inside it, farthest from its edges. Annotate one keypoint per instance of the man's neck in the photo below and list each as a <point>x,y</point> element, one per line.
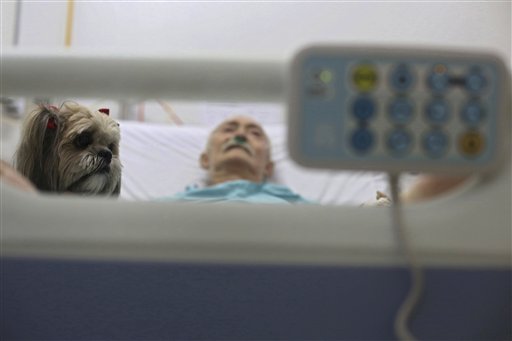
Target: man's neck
<point>220,177</point>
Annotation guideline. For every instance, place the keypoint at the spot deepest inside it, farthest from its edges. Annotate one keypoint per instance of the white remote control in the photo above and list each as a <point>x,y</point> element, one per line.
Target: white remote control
<point>398,110</point>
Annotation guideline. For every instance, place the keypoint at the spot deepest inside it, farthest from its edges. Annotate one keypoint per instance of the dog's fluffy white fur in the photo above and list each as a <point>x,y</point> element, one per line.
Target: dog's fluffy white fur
<point>70,149</point>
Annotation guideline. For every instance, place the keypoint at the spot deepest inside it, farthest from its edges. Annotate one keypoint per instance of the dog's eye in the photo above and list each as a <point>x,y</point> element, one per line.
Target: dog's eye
<point>111,147</point>
<point>83,140</point>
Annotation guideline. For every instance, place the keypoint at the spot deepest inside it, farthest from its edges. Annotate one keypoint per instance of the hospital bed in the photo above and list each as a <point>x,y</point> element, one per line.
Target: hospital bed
<point>136,268</point>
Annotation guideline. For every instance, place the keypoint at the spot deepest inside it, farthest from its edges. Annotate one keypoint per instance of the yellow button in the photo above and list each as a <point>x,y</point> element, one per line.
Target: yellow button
<point>365,77</point>
<point>471,143</point>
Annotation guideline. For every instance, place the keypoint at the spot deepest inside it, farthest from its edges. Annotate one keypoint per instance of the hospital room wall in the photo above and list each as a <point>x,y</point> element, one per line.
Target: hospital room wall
<point>253,30</point>
<point>268,29</point>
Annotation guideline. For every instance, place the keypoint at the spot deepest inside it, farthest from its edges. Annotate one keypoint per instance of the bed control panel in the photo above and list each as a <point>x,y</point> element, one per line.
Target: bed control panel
<point>398,110</point>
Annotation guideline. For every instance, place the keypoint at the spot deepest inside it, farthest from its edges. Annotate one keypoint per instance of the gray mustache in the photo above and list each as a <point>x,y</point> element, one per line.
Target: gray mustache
<point>234,143</point>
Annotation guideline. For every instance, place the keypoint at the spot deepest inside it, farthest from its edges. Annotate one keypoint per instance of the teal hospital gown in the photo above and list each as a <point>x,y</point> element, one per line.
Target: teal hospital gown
<point>239,191</point>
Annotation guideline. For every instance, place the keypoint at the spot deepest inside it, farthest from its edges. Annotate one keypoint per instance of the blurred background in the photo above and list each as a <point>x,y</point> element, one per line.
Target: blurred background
<point>241,28</point>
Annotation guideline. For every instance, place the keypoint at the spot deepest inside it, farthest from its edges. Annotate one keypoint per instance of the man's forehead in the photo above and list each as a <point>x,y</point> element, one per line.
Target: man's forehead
<point>240,120</point>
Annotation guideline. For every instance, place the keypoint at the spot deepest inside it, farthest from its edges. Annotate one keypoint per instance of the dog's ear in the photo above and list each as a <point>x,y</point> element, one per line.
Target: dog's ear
<point>117,189</point>
<point>36,154</point>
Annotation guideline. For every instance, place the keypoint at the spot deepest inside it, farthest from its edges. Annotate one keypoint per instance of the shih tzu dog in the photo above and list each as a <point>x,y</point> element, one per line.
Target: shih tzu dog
<point>71,149</point>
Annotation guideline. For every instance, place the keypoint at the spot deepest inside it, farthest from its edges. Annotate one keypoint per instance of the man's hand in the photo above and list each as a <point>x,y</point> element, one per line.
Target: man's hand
<point>11,177</point>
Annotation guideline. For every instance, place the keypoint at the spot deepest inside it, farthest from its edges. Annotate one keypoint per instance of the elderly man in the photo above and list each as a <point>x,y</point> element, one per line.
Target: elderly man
<point>238,161</point>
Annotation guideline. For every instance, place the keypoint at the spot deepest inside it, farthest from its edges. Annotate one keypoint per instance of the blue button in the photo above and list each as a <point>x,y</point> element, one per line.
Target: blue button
<point>399,141</point>
<point>438,111</point>
<point>362,140</point>
<point>400,111</point>
<point>438,80</point>
<point>363,108</point>
<point>475,80</point>
<point>473,113</point>
<point>401,78</point>
<point>435,143</point>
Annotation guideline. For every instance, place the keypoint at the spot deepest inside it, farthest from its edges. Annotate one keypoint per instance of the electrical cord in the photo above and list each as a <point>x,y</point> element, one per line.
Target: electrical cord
<point>417,277</point>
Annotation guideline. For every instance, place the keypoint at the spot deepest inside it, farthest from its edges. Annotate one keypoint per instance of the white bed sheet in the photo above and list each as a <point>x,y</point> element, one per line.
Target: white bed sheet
<point>160,160</point>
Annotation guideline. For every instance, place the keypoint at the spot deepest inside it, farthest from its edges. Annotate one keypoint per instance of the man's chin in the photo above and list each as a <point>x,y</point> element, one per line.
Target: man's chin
<point>237,160</point>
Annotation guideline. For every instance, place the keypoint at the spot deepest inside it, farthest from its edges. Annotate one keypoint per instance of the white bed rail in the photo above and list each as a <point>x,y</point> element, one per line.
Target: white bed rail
<point>75,73</point>
<point>462,231</point>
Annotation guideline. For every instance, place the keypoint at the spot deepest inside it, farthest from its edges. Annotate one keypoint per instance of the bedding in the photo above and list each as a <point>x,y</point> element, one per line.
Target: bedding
<point>161,160</point>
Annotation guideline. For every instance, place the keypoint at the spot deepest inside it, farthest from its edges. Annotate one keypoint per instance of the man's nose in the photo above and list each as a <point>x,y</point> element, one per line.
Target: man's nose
<point>240,138</point>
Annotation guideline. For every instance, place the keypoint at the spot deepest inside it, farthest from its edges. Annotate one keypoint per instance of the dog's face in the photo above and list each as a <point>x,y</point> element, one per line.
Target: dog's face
<point>89,154</point>
<point>77,150</point>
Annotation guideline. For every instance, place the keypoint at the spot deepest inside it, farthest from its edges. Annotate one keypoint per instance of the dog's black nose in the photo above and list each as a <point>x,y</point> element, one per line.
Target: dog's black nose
<point>106,154</point>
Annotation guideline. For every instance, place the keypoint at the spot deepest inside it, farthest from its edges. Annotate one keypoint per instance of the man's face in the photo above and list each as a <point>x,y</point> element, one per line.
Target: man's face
<point>239,142</point>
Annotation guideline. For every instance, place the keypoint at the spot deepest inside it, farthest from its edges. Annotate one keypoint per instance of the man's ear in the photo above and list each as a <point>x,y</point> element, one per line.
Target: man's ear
<point>204,161</point>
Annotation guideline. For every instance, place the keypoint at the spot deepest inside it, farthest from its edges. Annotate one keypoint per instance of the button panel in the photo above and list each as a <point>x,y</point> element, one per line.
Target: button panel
<point>397,110</point>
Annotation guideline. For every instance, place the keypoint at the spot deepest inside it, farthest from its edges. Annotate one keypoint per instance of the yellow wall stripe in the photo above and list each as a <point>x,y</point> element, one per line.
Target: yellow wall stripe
<point>69,23</point>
